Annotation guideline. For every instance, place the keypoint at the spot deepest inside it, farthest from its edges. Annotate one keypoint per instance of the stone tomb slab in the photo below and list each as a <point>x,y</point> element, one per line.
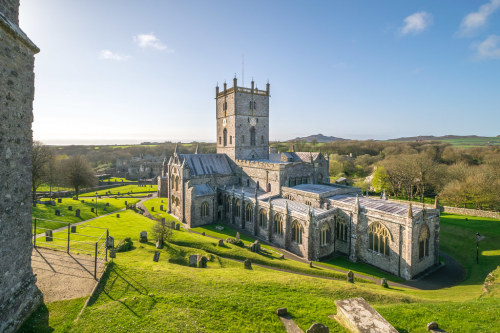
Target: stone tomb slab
<point>357,315</point>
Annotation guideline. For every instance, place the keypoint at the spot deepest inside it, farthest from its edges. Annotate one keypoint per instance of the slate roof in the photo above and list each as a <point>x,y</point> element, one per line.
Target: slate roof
<point>203,189</point>
<point>296,206</point>
<point>249,192</point>
<point>206,164</point>
<point>385,206</point>
<point>316,188</point>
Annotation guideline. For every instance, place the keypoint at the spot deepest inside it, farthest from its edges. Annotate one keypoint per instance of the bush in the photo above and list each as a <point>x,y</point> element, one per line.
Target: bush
<point>237,242</point>
<point>125,245</point>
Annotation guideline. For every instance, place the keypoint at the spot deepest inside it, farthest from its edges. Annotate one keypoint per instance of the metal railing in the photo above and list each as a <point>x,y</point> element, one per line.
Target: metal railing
<point>96,246</point>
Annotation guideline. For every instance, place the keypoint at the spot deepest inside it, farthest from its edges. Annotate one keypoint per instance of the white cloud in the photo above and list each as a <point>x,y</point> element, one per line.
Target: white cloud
<point>109,55</point>
<point>473,21</point>
<point>489,48</point>
<point>150,40</point>
<point>416,23</point>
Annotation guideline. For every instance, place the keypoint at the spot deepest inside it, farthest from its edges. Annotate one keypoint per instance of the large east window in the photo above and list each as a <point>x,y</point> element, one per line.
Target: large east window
<point>378,238</point>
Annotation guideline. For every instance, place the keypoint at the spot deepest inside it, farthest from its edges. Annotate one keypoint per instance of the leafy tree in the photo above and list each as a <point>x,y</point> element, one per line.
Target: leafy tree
<point>162,231</point>
<point>41,157</point>
<point>78,173</point>
<point>380,181</point>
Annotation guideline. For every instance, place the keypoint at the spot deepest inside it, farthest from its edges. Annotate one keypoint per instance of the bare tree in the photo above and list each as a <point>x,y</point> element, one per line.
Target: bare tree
<point>78,173</point>
<point>41,157</point>
<point>162,231</point>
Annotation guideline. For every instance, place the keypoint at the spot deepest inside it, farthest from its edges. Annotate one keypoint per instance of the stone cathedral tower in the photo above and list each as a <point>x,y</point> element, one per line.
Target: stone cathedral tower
<point>243,122</point>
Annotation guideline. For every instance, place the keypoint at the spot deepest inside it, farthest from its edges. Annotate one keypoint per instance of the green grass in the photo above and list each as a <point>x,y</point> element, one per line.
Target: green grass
<point>47,212</point>
<point>118,180</point>
<point>53,317</point>
<point>123,190</point>
<point>46,188</point>
<point>159,214</point>
<point>474,142</point>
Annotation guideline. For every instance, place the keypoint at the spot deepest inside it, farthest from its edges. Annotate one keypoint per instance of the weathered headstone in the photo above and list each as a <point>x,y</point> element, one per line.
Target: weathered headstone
<point>92,209</point>
<point>70,207</point>
<point>118,215</point>
<point>202,262</point>
<point>107,204</point>
<point>58,212</point>
<point>83,201</point>
<point>282,256</point>
<point>112,253</point>
<point>281,312</point>
<point>156,256</point>
<point>193,260</point>
<point>73,229</point>
<point>383,283</point>
<point>220,242</point>
<point>59,200</point>
<point>53,203</point>
<point>172,224</point>
<point>159,244</point>
<point>152,209</point>
<point>248,264</point>
<point>177,227</point>
<point>125,203</point>
<point>350,277</point>
<point>110,242</point>
<point>143,237</point>
<point>433,326</point>
<point>311,264</point>
<point>318,328</point>
<point>48,235</point>
<point>237,236</point>
<point>77,213</point>
<point>163,220</point>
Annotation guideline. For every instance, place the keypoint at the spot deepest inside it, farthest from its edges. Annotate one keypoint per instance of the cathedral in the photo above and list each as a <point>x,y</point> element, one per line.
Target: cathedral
<point>286,198</point>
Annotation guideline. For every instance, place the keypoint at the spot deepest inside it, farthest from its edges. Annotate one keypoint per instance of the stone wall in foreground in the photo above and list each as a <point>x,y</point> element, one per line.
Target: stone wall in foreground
<point>19,295</point>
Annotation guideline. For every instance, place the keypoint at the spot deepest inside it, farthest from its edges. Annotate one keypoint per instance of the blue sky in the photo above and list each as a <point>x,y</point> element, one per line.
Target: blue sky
<point>130,71</point>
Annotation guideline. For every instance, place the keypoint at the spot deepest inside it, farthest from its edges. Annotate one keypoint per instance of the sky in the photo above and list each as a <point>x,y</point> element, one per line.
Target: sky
<point>114,72</point>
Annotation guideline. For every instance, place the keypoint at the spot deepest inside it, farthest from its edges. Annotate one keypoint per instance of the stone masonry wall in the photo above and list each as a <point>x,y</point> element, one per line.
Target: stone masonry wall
<point>19,295</point>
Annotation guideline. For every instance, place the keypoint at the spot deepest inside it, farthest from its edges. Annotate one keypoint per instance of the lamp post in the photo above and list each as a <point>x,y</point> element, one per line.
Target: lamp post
<point>95,203</point>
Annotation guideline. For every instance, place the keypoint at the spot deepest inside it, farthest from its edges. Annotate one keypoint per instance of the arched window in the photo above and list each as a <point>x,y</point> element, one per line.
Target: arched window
<point>340,228</point>
<point>237,208</point>
<point>268,187</point>
<point>423,242</point>
<point>296,232</point>
<point>325,235</point>
<point>309,203</point>
<point>249,213</point>
<point>262,218</point>
<point>177,183</point>
<point>172,182</point>
<point>220,140</point>
<point>378,236</point>
<point>252,136</point>
<point>230,139</point>
<point>228,206</point>
<point>304,180</point>
<point>224,134</point>
<point>278,224</point>
<point>204,209</point>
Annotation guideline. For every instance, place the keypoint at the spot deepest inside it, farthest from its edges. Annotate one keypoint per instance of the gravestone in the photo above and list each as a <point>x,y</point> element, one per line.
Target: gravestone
<point>125,203</point>
<point>152,209</point>
<point>112,253</point>
<point>83,201</point>
<point>92,209</point>
<point>73,229</point>
<point>53,203</point>
<point>237,236</point>
<point>118,215</point>
<point>193,260</point>
<point>255,247</point>
<point>161,207</point>
<point>110,242</point>
<point>163,220</point>
<point>159,244</point>
<point>58,212</point>
<point>203,233</point>
<point>143,237</point>
<point>318,328</point>
<point>107,204</point>
<point>350,277</point>
<point>220,242</point>
<point>70,207</point>
<point>172,224</point>
<point>202,262</point>
<point>77,213</point>
<point>59,200</point>
<point>156,256</point>
<point>48,235</point>
<point>248,264</point>
<point>219,227</point>
<point>311,264</point>
<point>282,256</point>
<point>177,227</point>
<point>105,209</point>
<point>383,283</point>
<point>281,312</point>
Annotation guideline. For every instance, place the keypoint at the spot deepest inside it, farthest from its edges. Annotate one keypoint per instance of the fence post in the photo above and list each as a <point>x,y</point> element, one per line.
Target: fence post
<point>34,236</point>
<point>106,246</point>
<point>69,227</point>
<point>95,262</point>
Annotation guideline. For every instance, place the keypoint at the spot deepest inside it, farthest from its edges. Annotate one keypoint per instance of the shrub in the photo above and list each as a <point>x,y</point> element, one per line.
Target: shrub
<point>125,245</point>
<point>237,242</point>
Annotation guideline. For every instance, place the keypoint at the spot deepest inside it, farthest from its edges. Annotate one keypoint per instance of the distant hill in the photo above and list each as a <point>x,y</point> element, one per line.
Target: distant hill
<point>465,141</point>
<point>318,138</point>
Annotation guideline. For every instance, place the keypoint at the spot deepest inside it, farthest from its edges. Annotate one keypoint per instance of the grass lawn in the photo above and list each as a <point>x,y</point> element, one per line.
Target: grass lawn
<point>118,180</point>
<point>168,296</point>
<point>47,212</point>
<point>158,213</point>
<point>123,190</point>
<point>46,188</point>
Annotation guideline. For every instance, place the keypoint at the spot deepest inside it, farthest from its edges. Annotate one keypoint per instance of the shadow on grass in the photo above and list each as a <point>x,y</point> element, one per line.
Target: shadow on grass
<point>38,321</point>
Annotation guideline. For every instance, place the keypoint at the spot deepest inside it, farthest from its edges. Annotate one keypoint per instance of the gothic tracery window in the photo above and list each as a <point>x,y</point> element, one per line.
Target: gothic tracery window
<point>296,232</point>
<point>252,136</point>
<point>262,218</point>
<point>340,228</point>
<point>378,237</point>
<point>224,134</point>
<point>278,224</point>
<point>228,206</point>
<point>204,209</point>
<point>325,235</point>
<point>177,183</point>
<point>237,208</point>
<point>423,242</point>
<point>249,213</point>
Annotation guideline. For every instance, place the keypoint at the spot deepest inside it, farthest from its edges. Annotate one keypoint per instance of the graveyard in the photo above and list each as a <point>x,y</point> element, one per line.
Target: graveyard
<point>126,190</point>
<point>137,293</point>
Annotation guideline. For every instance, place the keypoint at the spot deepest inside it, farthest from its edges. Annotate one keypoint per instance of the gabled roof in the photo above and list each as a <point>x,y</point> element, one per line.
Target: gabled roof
<point>386,206</point>
<point>203,189</point>
<point>206,164</point>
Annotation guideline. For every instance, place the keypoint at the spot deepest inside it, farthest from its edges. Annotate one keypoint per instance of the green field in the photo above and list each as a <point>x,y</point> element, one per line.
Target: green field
<point>158,213</point>
<point>123,190</point>
<point>141,295</point>
<point>47,212</point>
<point>118,180</point>
<point>473,142</point>
<point>46,188</point>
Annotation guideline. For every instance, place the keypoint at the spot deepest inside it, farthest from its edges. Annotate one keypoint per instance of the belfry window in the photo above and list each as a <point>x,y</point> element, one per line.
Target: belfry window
<point>225,137</point>
<point>423,242</point>
<point>378,237</point>
<point>252,136</point>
